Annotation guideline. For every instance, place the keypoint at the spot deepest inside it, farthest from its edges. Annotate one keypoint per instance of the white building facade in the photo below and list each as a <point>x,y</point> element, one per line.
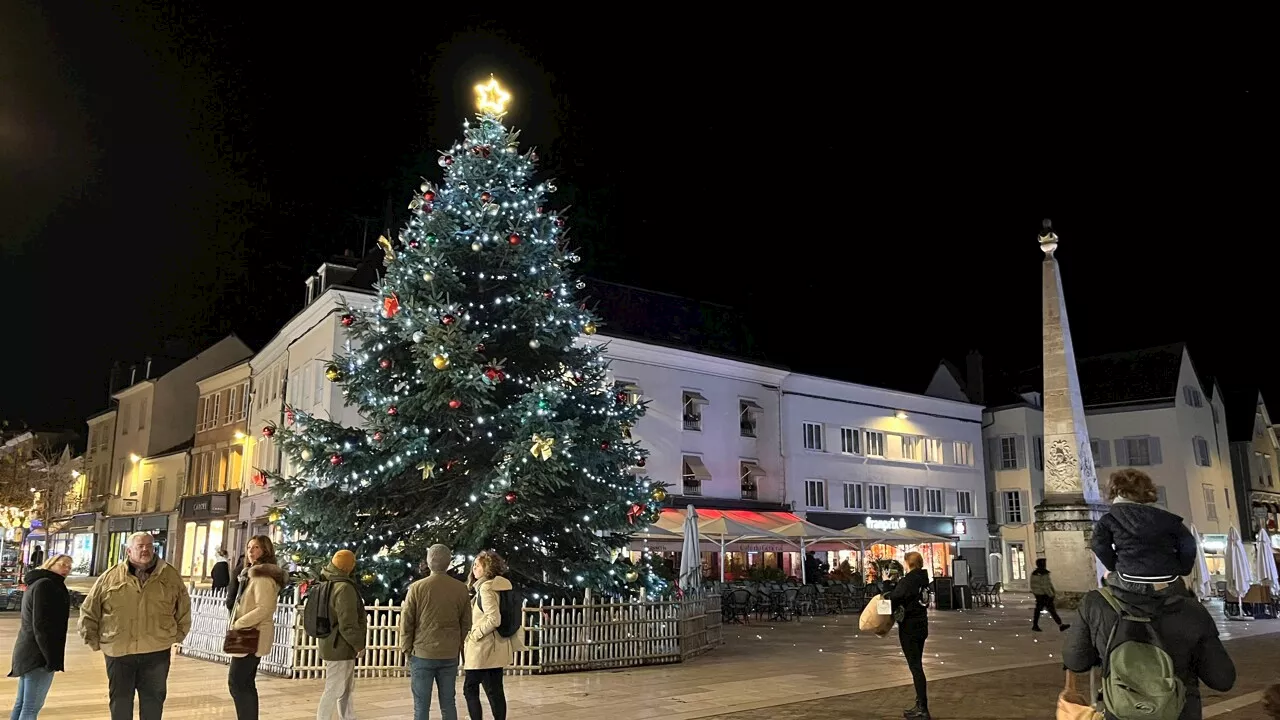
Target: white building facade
<point>860,455</point>
<point>1255,452</point>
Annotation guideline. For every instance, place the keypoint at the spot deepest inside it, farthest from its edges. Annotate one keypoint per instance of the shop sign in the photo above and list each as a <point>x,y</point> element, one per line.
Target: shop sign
<point>206,506</point>
<point>82,521</point>
<point>889,524</point>
<point>153,522</point>
<point>116,525</point>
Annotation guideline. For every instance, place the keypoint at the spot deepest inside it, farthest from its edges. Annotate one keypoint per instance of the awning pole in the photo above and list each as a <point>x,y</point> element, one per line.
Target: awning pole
<point>804,571</point>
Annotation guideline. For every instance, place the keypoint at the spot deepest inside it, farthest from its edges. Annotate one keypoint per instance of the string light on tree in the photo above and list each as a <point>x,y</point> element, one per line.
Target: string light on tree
<point>486,425</point>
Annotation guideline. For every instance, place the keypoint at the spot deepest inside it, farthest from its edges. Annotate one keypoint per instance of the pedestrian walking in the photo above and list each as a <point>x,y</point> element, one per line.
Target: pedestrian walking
<point>254,608</point>
<point>1042,588</point>
<point>221,572</point>
<point>434,620</point>
<point>345,642</point>
<point>42,639</point>
<point>37,557</point>
<point>135,613</point>
<point>487,651</point>
<point>910,598</point>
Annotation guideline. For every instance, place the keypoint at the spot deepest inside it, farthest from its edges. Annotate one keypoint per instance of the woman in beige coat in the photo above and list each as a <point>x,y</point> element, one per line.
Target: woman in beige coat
<point>259,589</point>
<point>485,652</point>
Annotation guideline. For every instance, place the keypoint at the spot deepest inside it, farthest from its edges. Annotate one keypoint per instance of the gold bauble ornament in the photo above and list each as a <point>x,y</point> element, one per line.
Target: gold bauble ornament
<point>333,372</point>
<point>633,576</point>
<point>659,494</point>
<point>296,557</point>
<point>274,516</point>
<point>440,362</point>
<point>368,578</point>
<point>589,328</point>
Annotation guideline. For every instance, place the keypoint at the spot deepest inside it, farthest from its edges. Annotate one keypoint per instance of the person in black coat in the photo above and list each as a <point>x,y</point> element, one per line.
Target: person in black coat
<point>233,584</point>
<point>221,572</point>
<point>910,598</point>
<point>40,647</point>
<point>1186,630</point>
<point>1142,542</point>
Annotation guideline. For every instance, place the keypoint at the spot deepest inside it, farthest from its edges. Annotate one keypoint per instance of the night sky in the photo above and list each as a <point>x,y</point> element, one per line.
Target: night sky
<point>169,175</point>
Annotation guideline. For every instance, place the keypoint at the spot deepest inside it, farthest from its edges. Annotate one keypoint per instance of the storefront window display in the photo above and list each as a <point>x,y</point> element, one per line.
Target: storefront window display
<point>200,544</point>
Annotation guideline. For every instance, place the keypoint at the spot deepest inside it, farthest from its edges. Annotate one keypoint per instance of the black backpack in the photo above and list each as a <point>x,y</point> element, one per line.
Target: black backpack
<point>510,610</point>
<point>317,607</point>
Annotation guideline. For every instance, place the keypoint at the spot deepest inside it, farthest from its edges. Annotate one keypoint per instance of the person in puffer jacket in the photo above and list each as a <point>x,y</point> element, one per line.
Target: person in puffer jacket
<point>1042,588</point>
<point>1141,542</point>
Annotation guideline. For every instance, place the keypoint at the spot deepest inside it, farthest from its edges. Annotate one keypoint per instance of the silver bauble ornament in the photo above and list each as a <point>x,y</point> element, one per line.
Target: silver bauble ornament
<point>535,344</point>
<point>476,246</point>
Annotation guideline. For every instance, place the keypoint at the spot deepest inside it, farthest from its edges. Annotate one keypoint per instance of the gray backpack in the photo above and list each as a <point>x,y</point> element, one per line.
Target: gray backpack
<point>1138,679</point>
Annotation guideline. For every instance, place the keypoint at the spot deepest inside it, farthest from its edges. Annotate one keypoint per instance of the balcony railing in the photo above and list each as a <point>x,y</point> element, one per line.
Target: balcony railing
<point>749,492</point>
<point>692,422</point>
<point>692,486</point>
<point>748,429</point>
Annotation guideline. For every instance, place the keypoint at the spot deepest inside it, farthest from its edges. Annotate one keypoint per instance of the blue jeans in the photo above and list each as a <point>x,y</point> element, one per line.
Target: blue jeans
<point>32,689</point>
<point>444,673</point>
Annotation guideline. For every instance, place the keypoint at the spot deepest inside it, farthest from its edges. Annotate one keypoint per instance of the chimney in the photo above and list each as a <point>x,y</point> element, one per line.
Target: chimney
<point>147,372</point>
<point>112,379</point>
<point>133,375</point>
<point>973,381</point>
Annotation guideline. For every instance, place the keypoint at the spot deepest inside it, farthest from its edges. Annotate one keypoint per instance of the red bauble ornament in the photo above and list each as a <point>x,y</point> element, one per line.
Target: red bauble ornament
<point>485,197</point>
<point>493,374</point>
<point>392,410</point>
<point>480,347</point>
<point>348,320</point>
<point>445,160</point>
<point>481,150</point>
<point>415,244</point>
<point>335,459</point>
<point>514,238</point>
<point>538,210</point>
<point>447,319</point>
<point>390,305</point>
<point>604,445</point>
<point>621,397</point>
<point>377,436</point>
<point>289,416</point>
<point>259,479</point>
<point>640,462</point>
<point>455,404</point>
<point>510,497</point>
<point>548,294</point>
<point>268,431</point>
<point>559,222</point>
<point>429,196</point>
<point>384,363</point>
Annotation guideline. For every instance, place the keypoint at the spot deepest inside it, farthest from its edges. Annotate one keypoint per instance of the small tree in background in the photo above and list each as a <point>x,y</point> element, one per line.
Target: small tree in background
<point>489,425</point>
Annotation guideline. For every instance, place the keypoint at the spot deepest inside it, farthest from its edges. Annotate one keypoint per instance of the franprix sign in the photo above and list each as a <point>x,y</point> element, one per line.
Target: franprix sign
<point>889,524</point>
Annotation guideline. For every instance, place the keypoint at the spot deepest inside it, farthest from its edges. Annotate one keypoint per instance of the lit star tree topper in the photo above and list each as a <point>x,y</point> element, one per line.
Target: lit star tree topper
<point>488,423</point>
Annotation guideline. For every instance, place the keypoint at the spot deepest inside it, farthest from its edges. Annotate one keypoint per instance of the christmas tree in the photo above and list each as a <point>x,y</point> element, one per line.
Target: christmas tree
<point>488,423</point>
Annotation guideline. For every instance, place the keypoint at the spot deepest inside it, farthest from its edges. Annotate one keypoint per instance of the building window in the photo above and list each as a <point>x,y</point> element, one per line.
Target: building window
<point>964,502</point>
<point>748,415</point>
<point>1192,396</point>
<point>815,493</point>
<point>1226,492</point>
<point>873,444</point>
<point>853,496</point>
<point>749,470</point>
<point>910,447</point>
<point>963,453</point>
<point>850,441</point>
<point>932,450</point>
<point>1012,503</point>
<point>633,393</point>
<point>1009,453</point>
<point>142,415</point>
<point>878,498</point>
<point>933,501</point>
<point>1210,502</point>
<point>1137,451</point>
<point>1201,447</point>
<point>1162,497</point>
<point>126,415</point>
<point>1101,451</point>
<point>812,436</point>
<point>912,496</point>
<point>1037,451</point>
<point>694,472</point>
<point>1017,561</point>
<point>692,403</point>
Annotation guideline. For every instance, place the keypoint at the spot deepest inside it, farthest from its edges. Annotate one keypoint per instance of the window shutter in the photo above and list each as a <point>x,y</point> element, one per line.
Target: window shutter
<point>951,502</point>
<point>1104,451</point>
<point>993,453</point>
<point>1153,443</point>
<point>997,507</point>
<point>1122,453</point>
<point>1028,512</point>
<point>1020,447</point>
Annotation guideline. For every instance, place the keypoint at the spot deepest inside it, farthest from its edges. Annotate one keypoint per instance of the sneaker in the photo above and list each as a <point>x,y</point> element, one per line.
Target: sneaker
<point>1064,627</point>
<point>1036,628</point>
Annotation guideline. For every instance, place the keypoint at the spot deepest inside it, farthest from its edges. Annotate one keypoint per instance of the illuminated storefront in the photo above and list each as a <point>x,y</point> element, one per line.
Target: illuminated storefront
<point>206,520</point>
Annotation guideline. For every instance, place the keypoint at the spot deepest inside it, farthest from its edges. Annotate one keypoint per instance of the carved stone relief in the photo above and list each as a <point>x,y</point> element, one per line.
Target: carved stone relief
<point>1060,467</point>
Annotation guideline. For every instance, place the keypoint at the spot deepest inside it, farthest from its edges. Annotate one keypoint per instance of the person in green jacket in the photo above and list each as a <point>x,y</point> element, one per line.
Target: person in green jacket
<point>346,642</point>
<point>1042,588</point>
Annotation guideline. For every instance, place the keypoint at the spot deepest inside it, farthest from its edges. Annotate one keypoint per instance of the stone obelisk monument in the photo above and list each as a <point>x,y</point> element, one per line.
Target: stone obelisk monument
<point>1072,503</point>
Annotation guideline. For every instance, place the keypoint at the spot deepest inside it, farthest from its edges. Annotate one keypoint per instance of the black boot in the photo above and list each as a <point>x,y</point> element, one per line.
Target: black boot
<point>1064,627</point>
<point>1036,628</point>
<point>916,713</point>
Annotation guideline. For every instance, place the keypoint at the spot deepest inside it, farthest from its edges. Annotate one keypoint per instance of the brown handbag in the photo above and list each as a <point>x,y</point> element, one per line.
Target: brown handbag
<point>241,642</point>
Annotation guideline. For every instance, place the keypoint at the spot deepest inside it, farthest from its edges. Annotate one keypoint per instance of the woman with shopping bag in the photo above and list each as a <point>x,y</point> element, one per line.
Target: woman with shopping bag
<point>910,599</point>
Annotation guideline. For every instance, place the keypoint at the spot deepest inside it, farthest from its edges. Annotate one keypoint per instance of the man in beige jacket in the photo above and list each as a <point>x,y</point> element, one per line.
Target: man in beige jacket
<point>134,614</point>
<point>434,621</point>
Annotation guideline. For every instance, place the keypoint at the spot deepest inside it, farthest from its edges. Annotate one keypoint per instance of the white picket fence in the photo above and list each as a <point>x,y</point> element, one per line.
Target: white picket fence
<point>593,634</point>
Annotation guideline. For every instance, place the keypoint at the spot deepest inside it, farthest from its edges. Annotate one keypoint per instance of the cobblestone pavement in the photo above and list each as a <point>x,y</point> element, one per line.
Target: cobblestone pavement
<point>1027,693</point>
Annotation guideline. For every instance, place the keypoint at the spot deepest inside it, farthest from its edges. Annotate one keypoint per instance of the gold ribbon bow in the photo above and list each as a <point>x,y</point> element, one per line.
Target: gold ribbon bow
<point>427,469</point>
<point>542,447</point>
<point>388,253</point>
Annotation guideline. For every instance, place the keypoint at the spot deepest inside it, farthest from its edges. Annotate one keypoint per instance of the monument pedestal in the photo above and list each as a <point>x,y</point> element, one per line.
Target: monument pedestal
<point>1066,532</point>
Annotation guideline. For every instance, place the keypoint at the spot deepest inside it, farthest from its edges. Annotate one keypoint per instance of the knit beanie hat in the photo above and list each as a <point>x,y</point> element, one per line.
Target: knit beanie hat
<point>344,560</point>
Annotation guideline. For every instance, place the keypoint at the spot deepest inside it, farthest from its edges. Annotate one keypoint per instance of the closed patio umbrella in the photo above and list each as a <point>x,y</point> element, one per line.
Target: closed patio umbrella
<point>1199,581</point>
<point>861,535</point>
<point>1266,570</point>
<point>690,554</point>
<point>1239,574</point>
<point>806,532</point>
